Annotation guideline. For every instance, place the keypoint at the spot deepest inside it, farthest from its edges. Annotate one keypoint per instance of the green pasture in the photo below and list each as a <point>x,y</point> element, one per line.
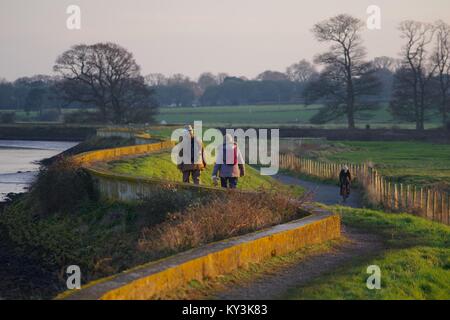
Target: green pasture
<point>277,115</point>
<point>411,162</point>
<point>293,115</point>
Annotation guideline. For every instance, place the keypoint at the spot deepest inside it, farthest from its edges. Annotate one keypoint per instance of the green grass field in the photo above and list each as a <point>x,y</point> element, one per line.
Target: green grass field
<point>411,162</point>
<point>159,165</point>
<point>415,264</point>
<point>276,115</point>
<point>297,115</point>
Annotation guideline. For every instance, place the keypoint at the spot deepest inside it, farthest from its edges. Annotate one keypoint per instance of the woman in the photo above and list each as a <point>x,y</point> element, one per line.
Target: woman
<point>345,178</point>
<point>229,164</point>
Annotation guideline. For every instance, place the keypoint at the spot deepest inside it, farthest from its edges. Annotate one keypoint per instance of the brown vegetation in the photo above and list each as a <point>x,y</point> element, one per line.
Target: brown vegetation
<point>222,217</point>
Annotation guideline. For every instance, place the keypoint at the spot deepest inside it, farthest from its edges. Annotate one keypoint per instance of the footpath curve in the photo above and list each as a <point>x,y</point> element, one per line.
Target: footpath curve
<point>150,280</point>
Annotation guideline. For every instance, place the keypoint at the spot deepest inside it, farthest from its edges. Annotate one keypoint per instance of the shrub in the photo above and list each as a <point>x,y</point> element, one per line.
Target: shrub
<point>223,216</point>
<point>83,116</point>
<point>163,200</point>
<point>7,117</point>
<point>140,115</point>
<point>49,115</point>
<point>62,187</point>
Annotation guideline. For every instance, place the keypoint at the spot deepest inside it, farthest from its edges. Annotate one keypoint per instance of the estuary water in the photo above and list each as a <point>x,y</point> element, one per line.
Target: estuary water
<point>19,162</point>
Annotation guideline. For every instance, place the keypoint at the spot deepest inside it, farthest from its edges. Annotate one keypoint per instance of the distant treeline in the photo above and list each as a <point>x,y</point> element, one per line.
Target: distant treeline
<point>39,92</point>
<point>270,87</point>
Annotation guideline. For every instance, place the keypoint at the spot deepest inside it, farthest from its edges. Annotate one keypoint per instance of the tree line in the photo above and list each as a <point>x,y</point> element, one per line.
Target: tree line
<point>106,77</point>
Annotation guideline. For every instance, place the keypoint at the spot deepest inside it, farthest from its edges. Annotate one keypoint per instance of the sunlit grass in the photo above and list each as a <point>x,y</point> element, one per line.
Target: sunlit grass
<point>159,165</point>
<point>415,264</point>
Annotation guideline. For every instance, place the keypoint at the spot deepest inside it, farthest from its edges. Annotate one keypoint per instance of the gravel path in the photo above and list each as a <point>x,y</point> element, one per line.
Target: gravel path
<point>324,193</point>
<point>275,285</point>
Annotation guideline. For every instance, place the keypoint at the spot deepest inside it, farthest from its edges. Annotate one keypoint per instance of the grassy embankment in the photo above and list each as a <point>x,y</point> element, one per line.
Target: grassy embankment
<point>160,166</point>
<point>409,162</point>
<point>414,263</point>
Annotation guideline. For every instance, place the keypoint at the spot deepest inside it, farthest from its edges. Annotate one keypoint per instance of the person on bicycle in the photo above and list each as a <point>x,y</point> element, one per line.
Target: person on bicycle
<point>345,178</point>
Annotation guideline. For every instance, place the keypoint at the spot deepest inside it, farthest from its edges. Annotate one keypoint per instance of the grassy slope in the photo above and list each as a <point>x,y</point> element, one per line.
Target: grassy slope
<point>416,264</point>
<point>417,163</point>
<point>159,165</point>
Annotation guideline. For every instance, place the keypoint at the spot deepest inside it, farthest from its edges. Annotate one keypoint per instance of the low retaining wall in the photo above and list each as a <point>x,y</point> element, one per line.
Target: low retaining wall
<point>116,153</point>
<point>154,279</point>
<point>129,188</point>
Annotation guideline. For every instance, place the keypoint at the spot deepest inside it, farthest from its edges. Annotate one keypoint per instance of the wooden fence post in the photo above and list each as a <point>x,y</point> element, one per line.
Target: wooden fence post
<point>421,203</point>
<point>408,196</point>
<point>431,204</point>
<point>395,196</point>
<point>428,203</point>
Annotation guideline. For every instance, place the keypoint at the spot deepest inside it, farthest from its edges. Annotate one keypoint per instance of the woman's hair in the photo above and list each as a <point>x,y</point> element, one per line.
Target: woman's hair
<point>229,139</point>
<point>345,168</point>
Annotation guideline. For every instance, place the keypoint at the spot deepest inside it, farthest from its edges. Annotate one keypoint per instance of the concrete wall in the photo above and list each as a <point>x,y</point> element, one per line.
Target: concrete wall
<point>88,158</point>
<point>152,280</point>
<point>129,188</point>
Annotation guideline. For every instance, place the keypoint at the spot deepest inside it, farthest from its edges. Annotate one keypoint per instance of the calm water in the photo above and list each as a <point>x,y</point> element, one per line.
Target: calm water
<point>18,159</point>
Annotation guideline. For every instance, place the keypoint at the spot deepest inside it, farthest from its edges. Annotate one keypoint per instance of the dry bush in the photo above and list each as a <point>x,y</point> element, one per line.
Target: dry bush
<point>224,216</point>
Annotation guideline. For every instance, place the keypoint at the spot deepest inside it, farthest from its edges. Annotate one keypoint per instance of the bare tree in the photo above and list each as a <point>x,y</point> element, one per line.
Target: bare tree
<point>270,75</point>
<point>418,71</point>
<point>344,64</point>
<point>155,79</point>
<point>441,58</point>
<point>221,77</point>
<point>107,76</point>
<point>207,79</point>
<point>386,63</point>
<point>302,71</point>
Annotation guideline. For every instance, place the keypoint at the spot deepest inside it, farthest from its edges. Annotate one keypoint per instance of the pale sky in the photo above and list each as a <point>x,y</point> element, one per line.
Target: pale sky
<point>240,37</point>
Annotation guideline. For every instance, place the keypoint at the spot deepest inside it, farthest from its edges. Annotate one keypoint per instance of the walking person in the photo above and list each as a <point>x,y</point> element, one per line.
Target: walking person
<point>229,164</point>
<point>345,179</point>
<point>197,162</point>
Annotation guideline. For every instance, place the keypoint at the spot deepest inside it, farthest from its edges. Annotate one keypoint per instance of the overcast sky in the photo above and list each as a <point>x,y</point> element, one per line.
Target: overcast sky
<point>240,37</point>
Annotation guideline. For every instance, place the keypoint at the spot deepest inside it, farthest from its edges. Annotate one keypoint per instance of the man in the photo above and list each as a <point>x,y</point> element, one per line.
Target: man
<point>196,163</point>
<point>345,178</point>
<point>229,164</point>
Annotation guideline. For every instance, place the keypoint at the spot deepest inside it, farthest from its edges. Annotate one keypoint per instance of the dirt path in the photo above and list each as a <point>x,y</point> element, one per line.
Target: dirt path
<point>324,193</point>
<point>276,285</point>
